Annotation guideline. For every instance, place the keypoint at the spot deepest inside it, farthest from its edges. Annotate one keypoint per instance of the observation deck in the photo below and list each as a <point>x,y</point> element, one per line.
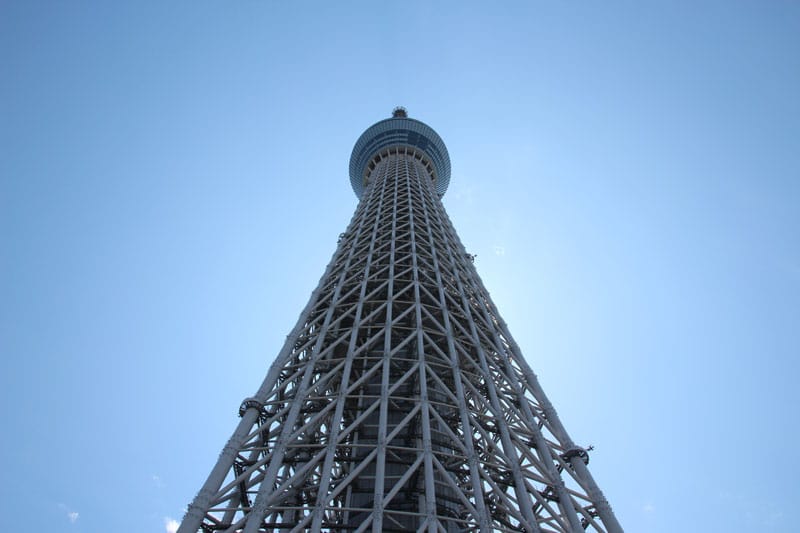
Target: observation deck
<point>399,132</point>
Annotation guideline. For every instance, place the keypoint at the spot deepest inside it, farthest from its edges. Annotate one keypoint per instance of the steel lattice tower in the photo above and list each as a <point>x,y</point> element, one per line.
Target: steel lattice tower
<point>400,401</point>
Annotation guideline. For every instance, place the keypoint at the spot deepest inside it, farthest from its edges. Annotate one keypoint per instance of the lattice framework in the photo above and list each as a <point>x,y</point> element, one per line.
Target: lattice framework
<point>400,402</point>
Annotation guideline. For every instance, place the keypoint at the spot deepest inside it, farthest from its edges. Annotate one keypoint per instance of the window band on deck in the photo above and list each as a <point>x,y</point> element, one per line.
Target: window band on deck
<point>399,149</point>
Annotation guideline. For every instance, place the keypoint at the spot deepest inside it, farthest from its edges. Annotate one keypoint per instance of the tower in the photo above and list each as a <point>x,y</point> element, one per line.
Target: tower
<point>400,401</point>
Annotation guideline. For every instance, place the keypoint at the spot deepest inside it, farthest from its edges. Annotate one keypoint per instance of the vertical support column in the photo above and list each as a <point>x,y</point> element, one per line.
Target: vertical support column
<point>427,447</point>
<point>523,498</point>
<point>423,183</point>
<point>324,485</point>
<point>383,416</point>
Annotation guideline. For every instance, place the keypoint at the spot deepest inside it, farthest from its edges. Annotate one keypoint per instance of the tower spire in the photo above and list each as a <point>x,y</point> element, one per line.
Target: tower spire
<point>400,401</point>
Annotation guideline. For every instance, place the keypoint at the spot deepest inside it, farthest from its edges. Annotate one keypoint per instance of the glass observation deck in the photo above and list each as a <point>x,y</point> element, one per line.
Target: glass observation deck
<point>399,131</point>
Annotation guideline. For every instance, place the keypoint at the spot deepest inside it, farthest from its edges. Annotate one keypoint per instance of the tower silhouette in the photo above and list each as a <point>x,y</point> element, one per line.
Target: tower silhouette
<point>400,401</point>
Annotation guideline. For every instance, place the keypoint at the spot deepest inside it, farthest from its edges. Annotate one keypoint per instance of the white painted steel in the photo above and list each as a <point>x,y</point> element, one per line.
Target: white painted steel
<point>400,401</point>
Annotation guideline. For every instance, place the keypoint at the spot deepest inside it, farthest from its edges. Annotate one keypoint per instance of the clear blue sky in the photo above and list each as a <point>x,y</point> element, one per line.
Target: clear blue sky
<point>173,178</point>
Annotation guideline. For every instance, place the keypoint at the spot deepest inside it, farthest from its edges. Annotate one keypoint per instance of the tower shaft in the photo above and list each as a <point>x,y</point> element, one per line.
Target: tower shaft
<point>400,402</point>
